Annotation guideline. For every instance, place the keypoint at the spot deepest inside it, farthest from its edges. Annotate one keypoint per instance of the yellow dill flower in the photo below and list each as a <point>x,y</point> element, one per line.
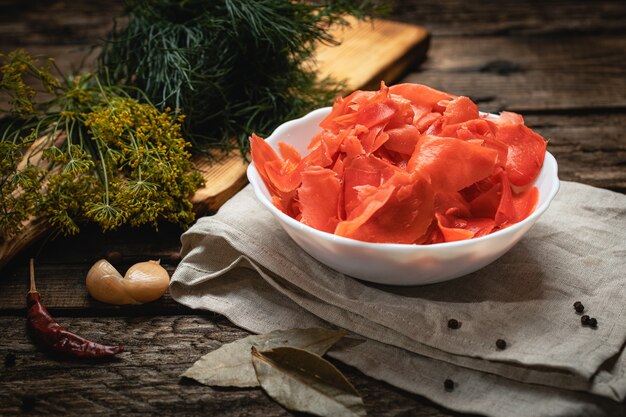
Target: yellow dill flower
<point>105,157</point>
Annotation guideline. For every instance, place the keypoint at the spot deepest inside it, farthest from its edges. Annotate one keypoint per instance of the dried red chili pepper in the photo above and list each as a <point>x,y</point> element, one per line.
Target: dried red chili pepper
<point>47,332</point>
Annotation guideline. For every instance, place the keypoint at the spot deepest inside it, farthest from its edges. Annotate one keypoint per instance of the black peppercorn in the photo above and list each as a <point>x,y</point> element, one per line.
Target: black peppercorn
<point>501,344</point>
<point>593,322</point>
<point>448,384</point>
<point>9,360</point>
<point>453,324</point>
<point>579,307</point>
<point>584,320</point>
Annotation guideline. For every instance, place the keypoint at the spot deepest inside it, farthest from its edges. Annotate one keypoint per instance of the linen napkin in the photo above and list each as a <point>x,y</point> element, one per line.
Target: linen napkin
<point>240,263</point>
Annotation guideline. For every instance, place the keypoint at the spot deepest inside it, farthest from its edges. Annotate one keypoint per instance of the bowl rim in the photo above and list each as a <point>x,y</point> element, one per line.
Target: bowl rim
<point>257,182</point>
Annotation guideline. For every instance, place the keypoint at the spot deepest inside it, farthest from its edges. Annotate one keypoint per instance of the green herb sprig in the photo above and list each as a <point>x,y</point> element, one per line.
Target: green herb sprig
<point>232,66</point>
<point>88,152</point>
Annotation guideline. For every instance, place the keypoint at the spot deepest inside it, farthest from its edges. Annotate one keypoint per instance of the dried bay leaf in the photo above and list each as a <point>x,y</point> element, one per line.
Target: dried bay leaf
<point>303,381</point>
<point>231,364</point>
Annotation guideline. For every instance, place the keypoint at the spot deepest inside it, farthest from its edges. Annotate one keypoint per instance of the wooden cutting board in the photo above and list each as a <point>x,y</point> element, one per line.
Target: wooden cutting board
<point>369,52</point>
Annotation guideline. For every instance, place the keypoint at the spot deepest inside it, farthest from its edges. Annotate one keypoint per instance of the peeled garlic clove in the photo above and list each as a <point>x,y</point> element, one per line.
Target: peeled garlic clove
<point>104,284</point>
<point>146,281</point>
<point>143,282</point>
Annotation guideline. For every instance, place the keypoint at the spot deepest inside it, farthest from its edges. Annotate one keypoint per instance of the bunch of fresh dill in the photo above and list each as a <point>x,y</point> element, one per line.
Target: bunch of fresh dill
<point>87,153</point>
<point>231,66</point>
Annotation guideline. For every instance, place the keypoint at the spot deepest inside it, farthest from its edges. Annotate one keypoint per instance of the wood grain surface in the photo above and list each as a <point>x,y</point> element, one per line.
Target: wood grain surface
<point>560,63</point>
<point>145,380</point>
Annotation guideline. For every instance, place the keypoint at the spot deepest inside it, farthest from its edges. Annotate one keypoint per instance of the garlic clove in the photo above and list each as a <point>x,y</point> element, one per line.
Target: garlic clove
<point>143,282</point>
<point>104,284</point>
<point>146,281</point>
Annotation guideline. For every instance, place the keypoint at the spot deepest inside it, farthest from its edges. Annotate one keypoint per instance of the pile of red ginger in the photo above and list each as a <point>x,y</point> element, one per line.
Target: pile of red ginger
<point>407,164</point>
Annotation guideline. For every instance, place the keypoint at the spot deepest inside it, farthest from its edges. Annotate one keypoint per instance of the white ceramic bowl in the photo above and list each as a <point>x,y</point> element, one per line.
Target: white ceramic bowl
<point>396,264</point>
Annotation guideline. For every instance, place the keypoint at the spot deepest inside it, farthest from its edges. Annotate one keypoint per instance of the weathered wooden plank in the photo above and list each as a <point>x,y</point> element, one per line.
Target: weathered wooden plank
<point>590,149</point>
<point>551,70</point>
<point>62,264</point>
<point>63,30</point>
<point>145,380</point>
<point>56,22</point>
<point>133,245</point>
<point>506,17</point>
<point>77,26</point>
<point>531,74</point>
<point>63,291</point>
<point>442,18</point>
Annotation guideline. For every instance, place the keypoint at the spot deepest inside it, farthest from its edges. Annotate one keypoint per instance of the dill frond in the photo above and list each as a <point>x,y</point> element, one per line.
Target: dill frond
<point>90,153</point>
<point>232,66</point>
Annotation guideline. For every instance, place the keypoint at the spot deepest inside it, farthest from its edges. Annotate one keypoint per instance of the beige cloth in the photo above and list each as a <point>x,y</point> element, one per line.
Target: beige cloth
<point>240,263</point>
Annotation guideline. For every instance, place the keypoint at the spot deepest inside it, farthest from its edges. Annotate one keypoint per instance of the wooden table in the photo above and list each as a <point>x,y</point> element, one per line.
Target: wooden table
<point>560,63</point>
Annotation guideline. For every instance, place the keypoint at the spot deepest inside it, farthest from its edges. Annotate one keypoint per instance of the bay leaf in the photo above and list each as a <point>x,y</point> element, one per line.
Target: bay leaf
<point>303,381</point>
<point>231,364</point>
